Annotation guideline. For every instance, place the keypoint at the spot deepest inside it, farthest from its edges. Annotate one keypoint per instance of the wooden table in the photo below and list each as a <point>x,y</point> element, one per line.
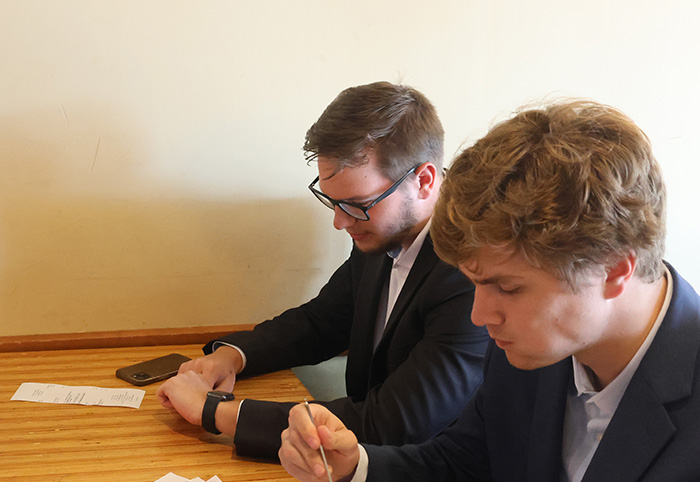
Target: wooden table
<point>49,442</point>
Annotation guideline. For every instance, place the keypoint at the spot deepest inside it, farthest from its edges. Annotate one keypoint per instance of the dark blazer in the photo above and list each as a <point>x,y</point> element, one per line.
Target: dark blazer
<point>513,428</point>
<point>425,368</point>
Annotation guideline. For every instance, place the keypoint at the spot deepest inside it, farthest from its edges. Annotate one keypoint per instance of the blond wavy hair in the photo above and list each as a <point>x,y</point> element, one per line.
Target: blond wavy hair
<point>573,187</point>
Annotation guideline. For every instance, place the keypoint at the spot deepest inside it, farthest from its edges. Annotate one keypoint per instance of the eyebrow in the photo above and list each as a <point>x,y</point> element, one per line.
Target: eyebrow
<point>360,199</point>
<point>354,199</point>
<point>495,279</point>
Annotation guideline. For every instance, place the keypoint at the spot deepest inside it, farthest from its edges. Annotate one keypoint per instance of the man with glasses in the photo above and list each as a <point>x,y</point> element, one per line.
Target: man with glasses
<point>402,315</point>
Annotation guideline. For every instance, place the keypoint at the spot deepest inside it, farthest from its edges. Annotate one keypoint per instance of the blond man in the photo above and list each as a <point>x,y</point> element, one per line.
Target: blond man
<point>558,217</point>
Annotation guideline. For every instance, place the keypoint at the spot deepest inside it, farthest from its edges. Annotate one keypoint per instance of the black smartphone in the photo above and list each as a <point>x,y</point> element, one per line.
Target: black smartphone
<point>151,371</point>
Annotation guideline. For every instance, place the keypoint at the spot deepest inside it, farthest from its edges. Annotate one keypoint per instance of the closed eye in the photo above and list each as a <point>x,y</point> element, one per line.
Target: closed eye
<point>508,290</point>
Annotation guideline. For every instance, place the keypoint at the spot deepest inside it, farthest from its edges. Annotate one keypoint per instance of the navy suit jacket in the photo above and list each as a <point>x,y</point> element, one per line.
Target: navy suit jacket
<point>425,369</point>
<point>512,430</point>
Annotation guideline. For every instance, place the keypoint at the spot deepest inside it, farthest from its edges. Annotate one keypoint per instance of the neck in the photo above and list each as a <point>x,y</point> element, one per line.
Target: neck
<point>631,319</point>
<point>413,234</point>
<point>423,211</point>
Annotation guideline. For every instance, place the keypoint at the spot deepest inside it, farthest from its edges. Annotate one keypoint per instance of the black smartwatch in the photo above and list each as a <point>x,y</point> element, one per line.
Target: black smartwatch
<point>209,410</point>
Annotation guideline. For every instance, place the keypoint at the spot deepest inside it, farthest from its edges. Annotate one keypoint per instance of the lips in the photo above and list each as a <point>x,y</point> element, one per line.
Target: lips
<point>502,344</point>
<point>357,236</point>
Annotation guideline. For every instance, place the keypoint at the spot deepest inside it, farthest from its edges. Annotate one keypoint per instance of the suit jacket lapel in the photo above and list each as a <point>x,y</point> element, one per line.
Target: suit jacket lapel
<point>424,262</point>
<point>545,443</point>
<point>638,431</point>
<point>375,274</point>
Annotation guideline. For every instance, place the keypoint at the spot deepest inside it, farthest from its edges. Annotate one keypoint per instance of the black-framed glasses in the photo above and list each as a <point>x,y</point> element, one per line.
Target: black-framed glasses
<point>356,210</point>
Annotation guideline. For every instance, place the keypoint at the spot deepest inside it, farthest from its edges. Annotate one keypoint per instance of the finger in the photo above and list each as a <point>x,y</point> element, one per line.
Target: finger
<point>187,379</point>
<point>215,374</point>
<point>197,365</point>
<point>301,424</point>
<point>226,384</point>
<point>298,458</point>
<point>343,441</point>
<point>187,366</point>
<point>326,438</point>
<point>308,448</point>
<point>161,393</point>
<point>323,416</point>
<point>294,469</point>
<point>294,455</point>
<point>163,398</point>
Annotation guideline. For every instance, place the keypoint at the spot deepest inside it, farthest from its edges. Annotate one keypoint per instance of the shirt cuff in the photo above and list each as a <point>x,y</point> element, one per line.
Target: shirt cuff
<point>238,414</point>
<point>218,344</point>
<point>362,466</point>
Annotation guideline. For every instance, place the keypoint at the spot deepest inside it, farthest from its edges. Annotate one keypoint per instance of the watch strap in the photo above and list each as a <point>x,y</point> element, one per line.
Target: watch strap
<point>209,410</point>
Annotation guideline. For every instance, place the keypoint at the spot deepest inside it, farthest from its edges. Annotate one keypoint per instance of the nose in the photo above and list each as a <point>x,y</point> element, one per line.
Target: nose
<point>341,219</point>
<point>485,310</point>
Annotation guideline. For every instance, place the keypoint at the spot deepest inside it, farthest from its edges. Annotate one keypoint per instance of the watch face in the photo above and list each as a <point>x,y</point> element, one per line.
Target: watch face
<point>223,396</point>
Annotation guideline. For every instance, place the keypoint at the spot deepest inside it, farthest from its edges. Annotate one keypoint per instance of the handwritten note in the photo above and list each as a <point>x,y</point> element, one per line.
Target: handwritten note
<point>53,393</point>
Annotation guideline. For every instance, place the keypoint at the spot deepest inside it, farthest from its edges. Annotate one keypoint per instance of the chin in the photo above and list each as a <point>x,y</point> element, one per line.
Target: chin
<point>370,249</point>
<point>526,362</point>
<point>364,246</point>
<point>375,248</point>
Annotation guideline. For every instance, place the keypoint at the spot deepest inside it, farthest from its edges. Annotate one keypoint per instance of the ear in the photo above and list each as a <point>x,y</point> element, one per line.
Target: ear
<point>426,174</point>
<point>618,275</point>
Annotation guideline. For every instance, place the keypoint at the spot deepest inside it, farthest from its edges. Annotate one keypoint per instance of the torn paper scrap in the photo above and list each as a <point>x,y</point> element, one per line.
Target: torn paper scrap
<point>170,477</point>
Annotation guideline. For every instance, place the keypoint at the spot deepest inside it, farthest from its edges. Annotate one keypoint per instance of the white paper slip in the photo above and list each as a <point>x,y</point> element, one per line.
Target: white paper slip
<point>170,477</point>
<point>53,393</point>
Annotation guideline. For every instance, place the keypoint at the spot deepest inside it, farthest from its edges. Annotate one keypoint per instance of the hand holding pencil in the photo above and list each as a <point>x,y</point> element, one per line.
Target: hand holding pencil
<point>317,447</point>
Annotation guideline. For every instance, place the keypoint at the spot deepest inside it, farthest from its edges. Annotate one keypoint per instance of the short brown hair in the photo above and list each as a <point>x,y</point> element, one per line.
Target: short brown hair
<point>572,187</point>
<point>396,121</point>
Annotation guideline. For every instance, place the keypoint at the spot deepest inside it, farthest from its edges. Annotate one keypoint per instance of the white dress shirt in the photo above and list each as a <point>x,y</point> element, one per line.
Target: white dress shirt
<point>403,260</point>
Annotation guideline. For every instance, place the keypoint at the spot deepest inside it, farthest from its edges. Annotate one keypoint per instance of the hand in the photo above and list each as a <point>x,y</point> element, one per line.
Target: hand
<point>299,453</point>
<point>185,393</point>
<point>218,368</point>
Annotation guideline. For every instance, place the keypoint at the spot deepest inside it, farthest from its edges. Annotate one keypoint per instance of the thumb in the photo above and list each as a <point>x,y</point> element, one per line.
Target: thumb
<point>343,440</point>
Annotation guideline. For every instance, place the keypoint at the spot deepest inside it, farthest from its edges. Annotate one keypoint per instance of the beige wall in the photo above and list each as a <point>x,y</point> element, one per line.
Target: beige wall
<point>152,174</point>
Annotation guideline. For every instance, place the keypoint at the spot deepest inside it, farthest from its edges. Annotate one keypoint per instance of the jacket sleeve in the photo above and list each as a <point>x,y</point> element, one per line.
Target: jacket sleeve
<point>459,453</point>
<point>428,389</point>
<point>433,379</point>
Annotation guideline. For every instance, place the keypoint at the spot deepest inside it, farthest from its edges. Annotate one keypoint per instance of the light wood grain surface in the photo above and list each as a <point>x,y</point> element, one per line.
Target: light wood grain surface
<point>50,442</point>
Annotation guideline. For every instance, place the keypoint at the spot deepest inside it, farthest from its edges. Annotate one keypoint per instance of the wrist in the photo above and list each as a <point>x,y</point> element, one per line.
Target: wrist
<point>212,419</point>
<point>232,356</point>
<point>227,417</point>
